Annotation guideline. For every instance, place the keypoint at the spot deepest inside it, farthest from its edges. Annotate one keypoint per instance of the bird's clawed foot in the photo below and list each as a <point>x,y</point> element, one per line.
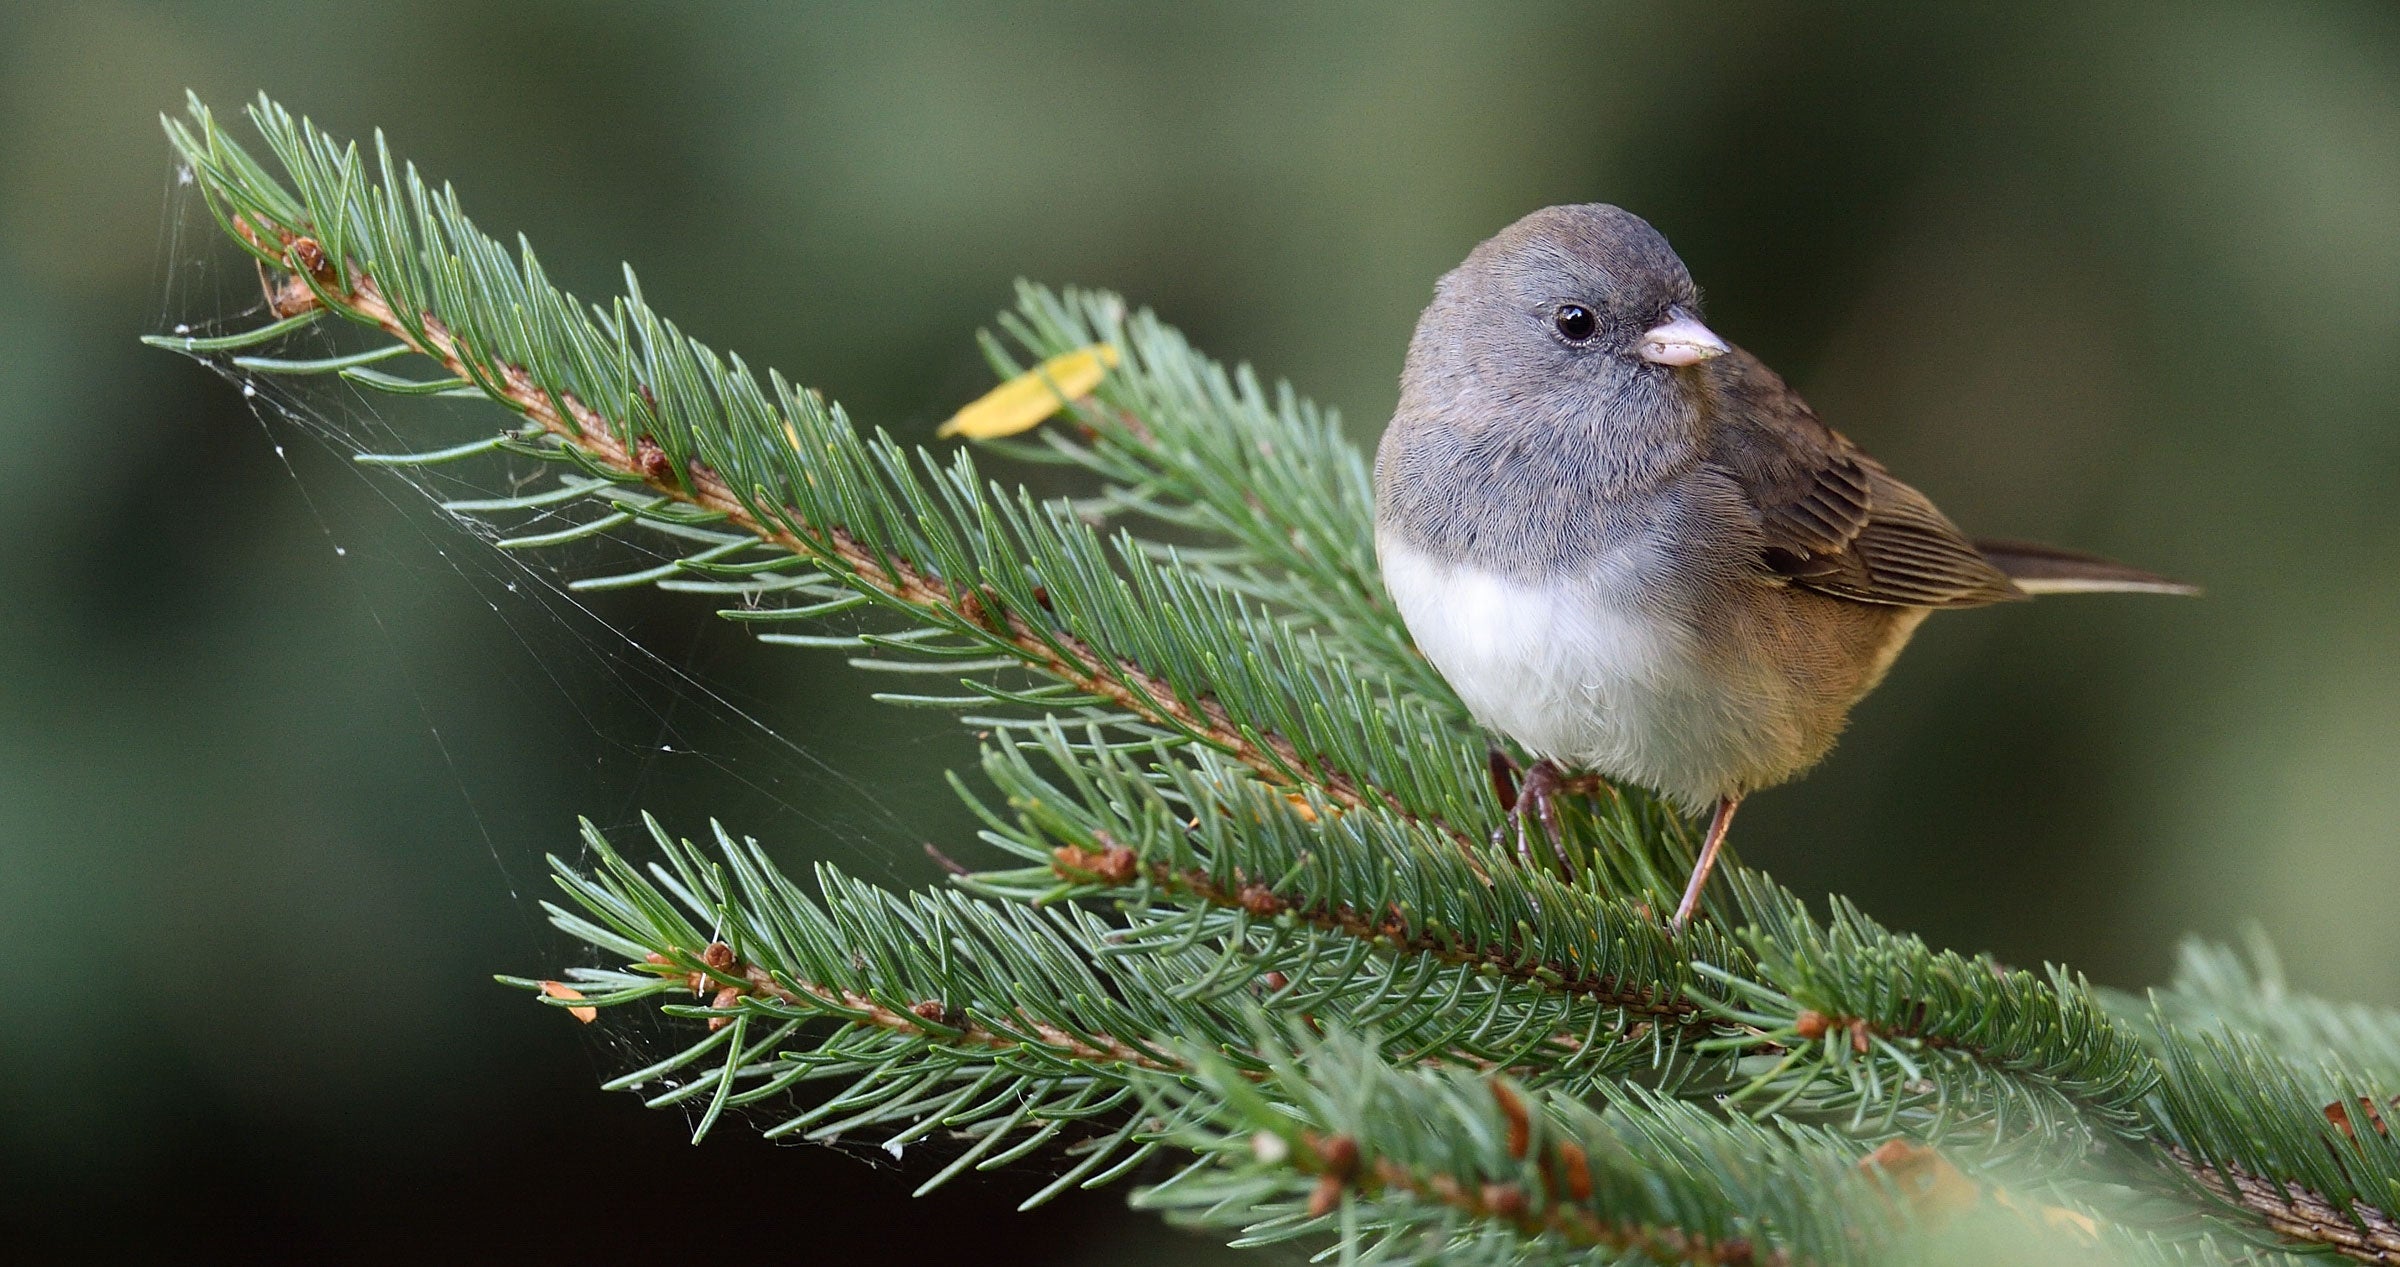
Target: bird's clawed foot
<point>1536,800</point>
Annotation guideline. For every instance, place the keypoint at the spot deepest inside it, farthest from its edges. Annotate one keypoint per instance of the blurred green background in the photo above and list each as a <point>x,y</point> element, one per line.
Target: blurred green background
<point>2123,276</point>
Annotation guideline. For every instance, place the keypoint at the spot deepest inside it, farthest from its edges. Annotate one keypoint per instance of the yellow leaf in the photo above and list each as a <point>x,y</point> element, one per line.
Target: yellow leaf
<point>1021,403</point>
<point>561,990</point>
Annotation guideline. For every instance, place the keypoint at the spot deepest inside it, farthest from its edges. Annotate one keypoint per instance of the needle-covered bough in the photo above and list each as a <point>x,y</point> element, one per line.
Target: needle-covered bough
<point>1251,943</point>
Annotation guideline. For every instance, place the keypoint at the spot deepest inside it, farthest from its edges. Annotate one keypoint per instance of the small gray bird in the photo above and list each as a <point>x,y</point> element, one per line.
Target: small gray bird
<point>1633,550</point>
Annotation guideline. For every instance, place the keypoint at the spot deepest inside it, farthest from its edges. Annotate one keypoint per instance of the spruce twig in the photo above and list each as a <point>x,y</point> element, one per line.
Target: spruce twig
<point>644,463</point>
<point>1251,922</point>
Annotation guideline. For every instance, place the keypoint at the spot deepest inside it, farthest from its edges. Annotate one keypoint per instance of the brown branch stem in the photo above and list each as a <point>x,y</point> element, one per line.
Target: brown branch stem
<point>2362,1232</point>
<point>1813,1025</point>
<point>728,980</point>
<point>1117,864</point>
<point>1556,1207</point>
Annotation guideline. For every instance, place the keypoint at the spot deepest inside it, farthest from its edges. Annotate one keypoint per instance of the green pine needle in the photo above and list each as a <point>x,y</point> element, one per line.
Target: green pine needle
<point>1257,944</point>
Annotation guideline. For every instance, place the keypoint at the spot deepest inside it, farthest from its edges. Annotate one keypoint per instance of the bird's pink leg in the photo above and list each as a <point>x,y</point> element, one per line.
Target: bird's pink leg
<point>1718,822</point>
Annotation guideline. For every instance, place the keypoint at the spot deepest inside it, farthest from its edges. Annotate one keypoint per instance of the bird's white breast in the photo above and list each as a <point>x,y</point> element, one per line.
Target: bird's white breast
<point>1589,669</point>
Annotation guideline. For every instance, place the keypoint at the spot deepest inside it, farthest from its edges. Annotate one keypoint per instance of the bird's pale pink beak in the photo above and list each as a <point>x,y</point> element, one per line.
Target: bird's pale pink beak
<point>1681,341</point>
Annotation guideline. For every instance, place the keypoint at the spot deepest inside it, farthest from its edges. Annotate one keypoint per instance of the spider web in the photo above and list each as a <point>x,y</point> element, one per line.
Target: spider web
<point>615,680</point>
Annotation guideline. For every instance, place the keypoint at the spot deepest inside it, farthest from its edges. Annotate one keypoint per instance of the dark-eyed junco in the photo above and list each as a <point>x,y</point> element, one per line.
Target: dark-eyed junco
<point>1632,549</point>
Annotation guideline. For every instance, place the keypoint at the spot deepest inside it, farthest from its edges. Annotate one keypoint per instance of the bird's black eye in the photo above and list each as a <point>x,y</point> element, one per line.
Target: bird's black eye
<point>1575,321</point>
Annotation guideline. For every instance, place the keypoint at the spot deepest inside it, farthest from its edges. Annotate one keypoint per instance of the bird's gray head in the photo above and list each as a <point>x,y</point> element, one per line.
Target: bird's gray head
<point>1570,312</point>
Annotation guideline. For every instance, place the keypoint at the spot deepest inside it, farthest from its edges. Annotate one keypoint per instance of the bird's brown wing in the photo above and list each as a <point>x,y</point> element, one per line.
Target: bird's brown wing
<point>1834,520</point>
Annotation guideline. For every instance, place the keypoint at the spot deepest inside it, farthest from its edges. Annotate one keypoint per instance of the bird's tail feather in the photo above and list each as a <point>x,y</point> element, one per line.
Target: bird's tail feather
<point>2040,569</point>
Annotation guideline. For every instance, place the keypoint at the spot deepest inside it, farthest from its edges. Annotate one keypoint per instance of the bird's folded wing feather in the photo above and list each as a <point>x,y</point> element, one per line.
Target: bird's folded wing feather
<point>1833,519</point>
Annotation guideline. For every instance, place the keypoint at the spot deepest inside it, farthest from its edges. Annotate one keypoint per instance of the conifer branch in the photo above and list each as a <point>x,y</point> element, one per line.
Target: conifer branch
<point>727,980</point>
<point>2271,1135</point>
<point>312,281</point>
<point>1206,841</point>
<point>671,436</point>
<point>1866,1017</point>
<point>2359,1232</point>
<point>1436,1166</point>
<point>1115,866</point>
<point>1252,921</point>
